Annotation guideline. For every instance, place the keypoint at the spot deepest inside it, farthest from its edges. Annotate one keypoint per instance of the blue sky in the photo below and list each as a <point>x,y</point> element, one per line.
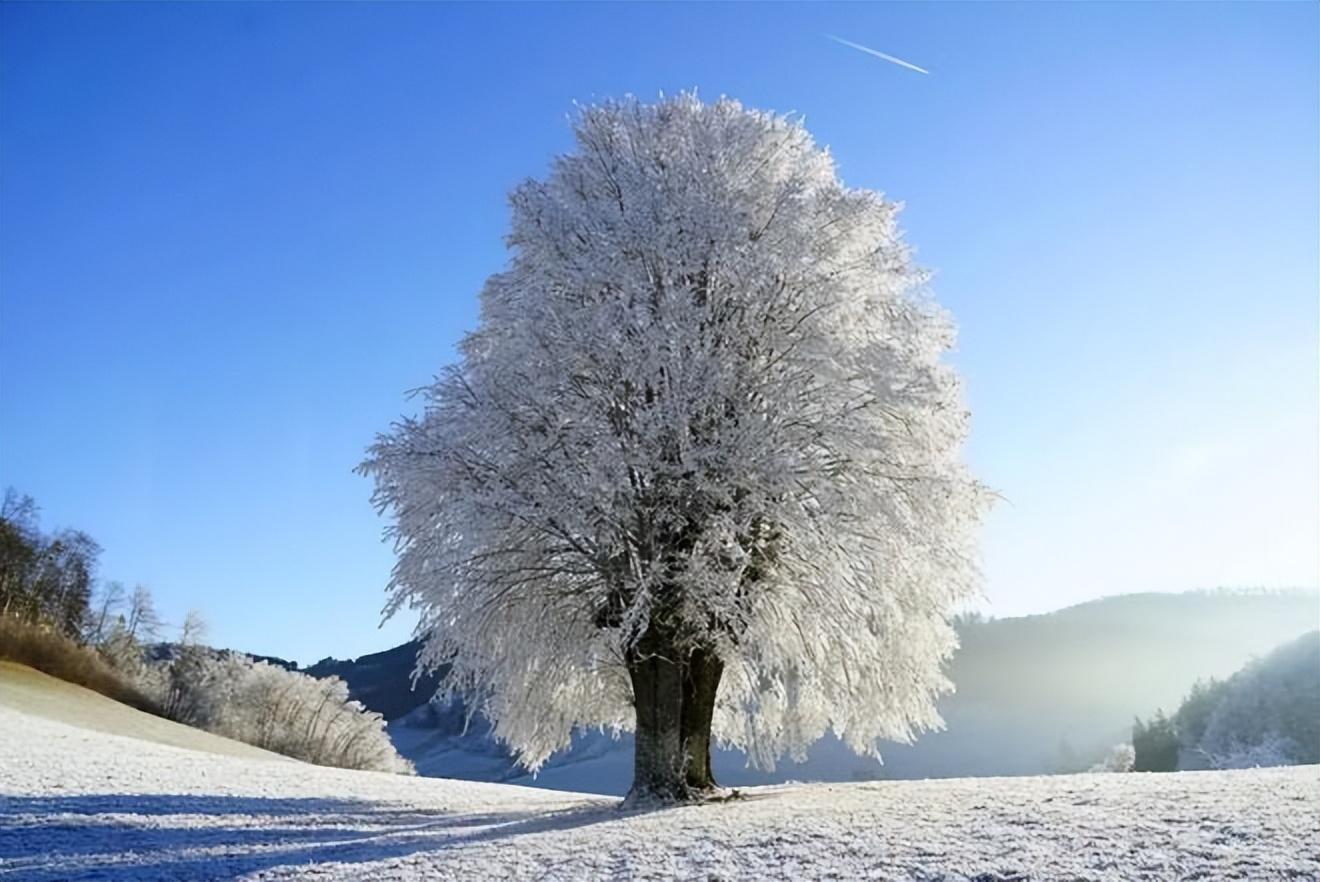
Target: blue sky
<point>232,236</point>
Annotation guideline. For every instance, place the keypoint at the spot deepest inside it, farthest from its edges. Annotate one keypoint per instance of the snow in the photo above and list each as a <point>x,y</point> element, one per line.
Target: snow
<point>79,804</point>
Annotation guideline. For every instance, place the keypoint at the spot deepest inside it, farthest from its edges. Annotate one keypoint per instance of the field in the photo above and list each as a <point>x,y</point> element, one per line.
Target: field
<point>131,800</point>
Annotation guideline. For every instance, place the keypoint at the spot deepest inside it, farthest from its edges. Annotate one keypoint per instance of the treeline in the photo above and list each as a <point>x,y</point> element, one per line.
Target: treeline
<point>44,578</point>
<point>56,616</point>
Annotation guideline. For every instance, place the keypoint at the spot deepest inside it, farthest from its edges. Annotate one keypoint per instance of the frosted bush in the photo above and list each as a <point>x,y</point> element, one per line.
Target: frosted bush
<point>267,706</point>
<point>1272,750</point>
<point>1121,758</point>
<point>309,718</point>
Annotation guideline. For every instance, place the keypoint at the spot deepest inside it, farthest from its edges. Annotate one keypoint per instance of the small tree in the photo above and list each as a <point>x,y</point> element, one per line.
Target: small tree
<point>1155,744</point>
<point>142,622</point>
<point>65,579</point>
<point>192,682</point>
<point>699,469</point>
<point>105,613</point>
<point>193,630</point>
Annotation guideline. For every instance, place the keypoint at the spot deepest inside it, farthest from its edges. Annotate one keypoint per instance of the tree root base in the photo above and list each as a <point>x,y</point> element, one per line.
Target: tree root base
<point>649,799</point>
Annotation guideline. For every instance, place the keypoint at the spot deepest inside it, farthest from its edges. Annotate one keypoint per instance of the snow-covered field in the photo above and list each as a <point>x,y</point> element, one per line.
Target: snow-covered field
<point>76,803</point>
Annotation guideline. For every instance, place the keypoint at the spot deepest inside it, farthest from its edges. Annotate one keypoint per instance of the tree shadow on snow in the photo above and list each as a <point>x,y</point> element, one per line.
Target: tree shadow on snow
<point>138,838</point>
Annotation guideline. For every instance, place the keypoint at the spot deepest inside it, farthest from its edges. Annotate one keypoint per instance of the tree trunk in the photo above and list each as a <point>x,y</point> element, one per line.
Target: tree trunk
<point>674,699</point>
<point>658,702</point>
<point>701,682</point>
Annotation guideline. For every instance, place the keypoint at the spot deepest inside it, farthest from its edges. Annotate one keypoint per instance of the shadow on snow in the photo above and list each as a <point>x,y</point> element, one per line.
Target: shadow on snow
<point>137,838</point>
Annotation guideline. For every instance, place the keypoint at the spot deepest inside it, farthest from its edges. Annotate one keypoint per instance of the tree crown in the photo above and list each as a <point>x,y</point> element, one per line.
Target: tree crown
<point>706,395</point>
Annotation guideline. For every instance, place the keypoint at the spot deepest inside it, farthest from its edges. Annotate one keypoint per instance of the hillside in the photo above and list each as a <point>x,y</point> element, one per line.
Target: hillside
<point>1035,694</point>
<point>77,804</point>
<point>40,696</point>
<point>383,680</point>
<point>1268,713</point>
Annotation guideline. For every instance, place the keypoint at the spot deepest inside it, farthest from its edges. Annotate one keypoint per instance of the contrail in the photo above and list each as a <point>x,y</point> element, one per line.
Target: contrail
<point>869,51</point>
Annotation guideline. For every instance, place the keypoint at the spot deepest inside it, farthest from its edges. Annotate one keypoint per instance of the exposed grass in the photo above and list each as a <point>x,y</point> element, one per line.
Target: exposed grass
<point>55,654</point>
<point>39,695</point>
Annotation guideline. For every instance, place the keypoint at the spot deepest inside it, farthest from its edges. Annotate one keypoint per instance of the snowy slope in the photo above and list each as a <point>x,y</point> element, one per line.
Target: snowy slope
<point>31,691</point>
<point>78,804</point>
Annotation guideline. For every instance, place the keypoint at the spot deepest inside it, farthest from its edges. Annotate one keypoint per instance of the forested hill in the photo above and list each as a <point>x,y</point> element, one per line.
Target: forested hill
<point>1050,692</point>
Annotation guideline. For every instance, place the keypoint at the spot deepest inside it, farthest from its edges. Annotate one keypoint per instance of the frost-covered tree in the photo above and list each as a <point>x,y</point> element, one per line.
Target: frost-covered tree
<point>193,630</point>
<point>196,684</point>
<point>142,621</point>
<point>699,467</point>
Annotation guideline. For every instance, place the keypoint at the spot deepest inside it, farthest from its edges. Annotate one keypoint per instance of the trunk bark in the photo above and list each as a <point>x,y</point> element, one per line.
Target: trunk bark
<point>674,699</point>
<point>658,701</point>
<point>700,684</point>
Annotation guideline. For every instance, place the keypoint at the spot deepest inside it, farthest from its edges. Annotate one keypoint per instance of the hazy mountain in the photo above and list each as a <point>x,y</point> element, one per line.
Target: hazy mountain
<point>1035,694</point>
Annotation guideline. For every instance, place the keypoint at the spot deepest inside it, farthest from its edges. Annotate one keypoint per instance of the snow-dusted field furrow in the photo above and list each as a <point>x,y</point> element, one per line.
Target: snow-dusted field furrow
<point>77,804</point>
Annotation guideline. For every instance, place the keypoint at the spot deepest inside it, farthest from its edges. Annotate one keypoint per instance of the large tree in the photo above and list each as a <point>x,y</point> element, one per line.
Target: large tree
<point>699,466</point>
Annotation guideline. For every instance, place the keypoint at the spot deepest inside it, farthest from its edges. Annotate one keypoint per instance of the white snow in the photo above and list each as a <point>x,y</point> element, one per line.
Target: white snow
<point>82,804</point>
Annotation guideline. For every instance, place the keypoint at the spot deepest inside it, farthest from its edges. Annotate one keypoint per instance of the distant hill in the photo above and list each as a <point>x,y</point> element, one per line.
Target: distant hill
<point>383,680</point>
<point>1050,693</point>
<point>1044,693</point>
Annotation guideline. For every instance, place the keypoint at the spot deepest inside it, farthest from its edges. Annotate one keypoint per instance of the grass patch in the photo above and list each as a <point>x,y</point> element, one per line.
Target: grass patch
<point>55,654</point>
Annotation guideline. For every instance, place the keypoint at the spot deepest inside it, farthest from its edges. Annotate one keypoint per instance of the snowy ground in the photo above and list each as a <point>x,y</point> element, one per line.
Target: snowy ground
<point>82,804</point>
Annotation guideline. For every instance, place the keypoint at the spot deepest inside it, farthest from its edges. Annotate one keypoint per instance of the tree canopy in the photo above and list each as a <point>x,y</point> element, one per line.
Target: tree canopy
<point>705,414</point>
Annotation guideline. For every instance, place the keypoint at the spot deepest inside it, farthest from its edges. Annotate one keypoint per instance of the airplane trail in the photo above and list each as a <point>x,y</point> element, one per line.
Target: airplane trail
<point>878,54</point>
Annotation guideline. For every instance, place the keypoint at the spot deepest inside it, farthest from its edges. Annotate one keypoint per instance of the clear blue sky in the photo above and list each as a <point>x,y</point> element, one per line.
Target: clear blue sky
<point>232,236</point>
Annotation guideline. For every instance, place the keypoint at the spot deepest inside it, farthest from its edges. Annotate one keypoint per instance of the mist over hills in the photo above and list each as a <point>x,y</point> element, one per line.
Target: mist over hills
<point>1035,694</point>
<point>1050,693</point>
